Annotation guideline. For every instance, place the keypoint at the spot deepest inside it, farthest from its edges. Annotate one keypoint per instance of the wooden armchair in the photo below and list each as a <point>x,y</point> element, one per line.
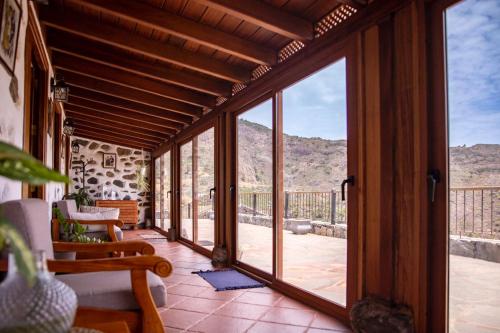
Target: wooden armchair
<point>126,288</point>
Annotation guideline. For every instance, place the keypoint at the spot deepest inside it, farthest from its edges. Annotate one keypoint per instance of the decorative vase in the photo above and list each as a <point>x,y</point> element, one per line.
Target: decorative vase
<point>48,306</point>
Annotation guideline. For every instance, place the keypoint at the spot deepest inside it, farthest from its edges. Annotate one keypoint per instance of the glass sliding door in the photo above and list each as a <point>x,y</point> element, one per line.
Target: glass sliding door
<point>162,191</point>
<point>473,58</point>
<point>204,190</point>
<point>186,190</point>
<point>198,192</point>
<point>166,191</point>
<point>254,187</point>
<point>314,226</point>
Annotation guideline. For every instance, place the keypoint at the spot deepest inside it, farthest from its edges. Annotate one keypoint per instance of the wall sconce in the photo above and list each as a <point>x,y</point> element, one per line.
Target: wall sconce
<point>68,127</point>
<point>75,147</point>
<point>60,89</point>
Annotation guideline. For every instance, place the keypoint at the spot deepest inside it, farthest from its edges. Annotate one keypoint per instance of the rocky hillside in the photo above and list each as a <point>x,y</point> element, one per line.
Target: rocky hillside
<point>315,164</point>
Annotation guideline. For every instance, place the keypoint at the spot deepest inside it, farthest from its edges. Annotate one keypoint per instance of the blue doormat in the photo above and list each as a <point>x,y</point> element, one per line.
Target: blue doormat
<point>229,279</point>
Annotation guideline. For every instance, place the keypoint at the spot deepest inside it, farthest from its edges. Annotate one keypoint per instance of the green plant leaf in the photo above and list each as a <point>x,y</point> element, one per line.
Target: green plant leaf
<point>18,165</point>
<point>24,258</point>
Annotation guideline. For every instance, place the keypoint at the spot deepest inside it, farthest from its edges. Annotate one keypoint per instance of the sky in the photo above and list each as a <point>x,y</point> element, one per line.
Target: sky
<point>473,43</point>
<point>316,106</point>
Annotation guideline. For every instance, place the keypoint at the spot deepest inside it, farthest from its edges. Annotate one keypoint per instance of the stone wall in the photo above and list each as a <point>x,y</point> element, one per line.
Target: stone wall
<point>477,248</point>
<point>121,179</point>
<point>318,228</point>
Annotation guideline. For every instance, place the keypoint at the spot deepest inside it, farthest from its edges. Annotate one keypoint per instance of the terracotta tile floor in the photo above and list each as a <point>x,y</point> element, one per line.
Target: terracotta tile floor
<point>194,306</point>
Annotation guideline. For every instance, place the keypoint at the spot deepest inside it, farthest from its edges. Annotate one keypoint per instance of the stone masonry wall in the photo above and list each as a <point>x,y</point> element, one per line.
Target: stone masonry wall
<point>121,179</point>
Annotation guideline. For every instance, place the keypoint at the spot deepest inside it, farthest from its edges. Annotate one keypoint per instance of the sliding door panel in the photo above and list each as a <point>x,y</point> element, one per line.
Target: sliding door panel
<point>254,187</point>
<point>314,223</point>
<point>186,173</point>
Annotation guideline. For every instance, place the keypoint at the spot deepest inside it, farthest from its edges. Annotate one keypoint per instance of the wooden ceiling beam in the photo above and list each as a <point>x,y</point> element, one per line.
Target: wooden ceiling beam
<point>127,105</point>
<point>124,119</point>
<point>116,125</point>
<point>158,19</point>
<point>265,15</point>
<point>84,121</point>
<point>119,91</point>
<point>358,4</point>
<point>117,134</point>
<point>107,139</point>
<point>84,49</point>
<point>179,95</point>
<point>78,24</point>
<point>114,111</point>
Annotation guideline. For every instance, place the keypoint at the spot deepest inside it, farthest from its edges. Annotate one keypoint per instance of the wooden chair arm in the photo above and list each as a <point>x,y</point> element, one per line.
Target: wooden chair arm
<point>158,265</point>
<point>141,247</point>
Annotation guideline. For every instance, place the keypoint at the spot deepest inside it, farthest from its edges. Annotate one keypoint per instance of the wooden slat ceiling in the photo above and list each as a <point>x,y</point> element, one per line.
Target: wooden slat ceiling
<point>140,71</point>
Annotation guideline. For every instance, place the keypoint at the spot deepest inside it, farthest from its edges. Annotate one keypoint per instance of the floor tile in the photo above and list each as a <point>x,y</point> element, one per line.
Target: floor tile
<point>226,295</point>
<point>199,305</point>
<point>289,316</point>
<point>186,290</point>
<point>242,310</point>
<point>287,302</point>
<point>219,324</point>
<point>261,327</point>
<point>195,280</point>
<point>259,298</point>
<point>326,322</point>
<point>173,299</point>
<point>180,319</point>
<point>172,330</point>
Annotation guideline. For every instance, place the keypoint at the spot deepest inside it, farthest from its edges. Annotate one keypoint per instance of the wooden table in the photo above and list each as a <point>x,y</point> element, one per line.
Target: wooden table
<point>129,210</point>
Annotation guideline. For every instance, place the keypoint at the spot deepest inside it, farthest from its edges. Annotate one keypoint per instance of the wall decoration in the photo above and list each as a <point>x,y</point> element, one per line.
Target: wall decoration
<point>109,160</point>
<point>50,112</point>
<point>120,182</point>
<point>9,33</point>
<point>14,89</point>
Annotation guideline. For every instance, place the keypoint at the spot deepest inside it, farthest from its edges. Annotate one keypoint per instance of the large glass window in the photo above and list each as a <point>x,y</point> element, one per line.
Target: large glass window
<point>314,165</point>
<point>473,58</point>
<point>162,191</point>
<point>255,182</point>
<point>198,189</point>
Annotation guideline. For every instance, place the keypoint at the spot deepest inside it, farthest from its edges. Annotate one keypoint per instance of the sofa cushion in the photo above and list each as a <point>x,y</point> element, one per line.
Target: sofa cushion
<point>104,234</point>
<point>67,207</point>
<point>89,217</point>
<point>112,290</point>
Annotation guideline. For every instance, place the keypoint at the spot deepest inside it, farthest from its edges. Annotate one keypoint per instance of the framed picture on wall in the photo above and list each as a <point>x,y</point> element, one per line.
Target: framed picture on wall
<point>9,32</point>
<point>109,160</point>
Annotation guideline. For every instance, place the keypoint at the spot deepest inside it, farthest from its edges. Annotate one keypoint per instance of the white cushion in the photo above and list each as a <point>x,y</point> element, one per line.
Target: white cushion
<point>112,214</point>
<point>94,209</point>
<point>90,217</point>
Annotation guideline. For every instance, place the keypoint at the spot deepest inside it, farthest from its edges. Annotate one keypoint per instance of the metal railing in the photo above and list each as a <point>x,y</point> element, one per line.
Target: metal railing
<point>317,206</point>
<point>474,211</point>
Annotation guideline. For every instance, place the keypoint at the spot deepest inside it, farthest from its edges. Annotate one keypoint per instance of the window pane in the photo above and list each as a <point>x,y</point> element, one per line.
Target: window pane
<point>157,192</point>
<point>473,58</point>
<point>186,170</point>
<point>315,164</point>
<point>166,189</point>
<point>205,179</point>
<point>255,162</point>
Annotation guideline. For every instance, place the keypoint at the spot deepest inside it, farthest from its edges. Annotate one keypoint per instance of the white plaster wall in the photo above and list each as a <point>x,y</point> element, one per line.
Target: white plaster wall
<point>12,114</point>
<point>12,119</point>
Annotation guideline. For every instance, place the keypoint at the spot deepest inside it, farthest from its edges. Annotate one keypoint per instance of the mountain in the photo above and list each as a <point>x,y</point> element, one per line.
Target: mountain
<point>315,164</point>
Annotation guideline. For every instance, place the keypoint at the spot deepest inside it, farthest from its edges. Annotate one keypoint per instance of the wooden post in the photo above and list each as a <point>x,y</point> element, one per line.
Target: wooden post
<point>194,164</point>
<point>333,206</point>
<point>287,197</point>
<point>254,203</point>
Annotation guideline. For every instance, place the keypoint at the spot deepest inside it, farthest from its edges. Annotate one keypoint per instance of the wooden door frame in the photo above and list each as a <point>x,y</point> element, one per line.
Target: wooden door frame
<point>348,51</point>
<point>35,51</point>
<point>438,157</point>
<point>178,144</point>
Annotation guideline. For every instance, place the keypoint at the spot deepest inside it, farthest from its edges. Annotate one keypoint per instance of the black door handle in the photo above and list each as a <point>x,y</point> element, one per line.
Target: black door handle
<point>211,190</point>
<point>348,180</point>
<point>433,177</point>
